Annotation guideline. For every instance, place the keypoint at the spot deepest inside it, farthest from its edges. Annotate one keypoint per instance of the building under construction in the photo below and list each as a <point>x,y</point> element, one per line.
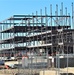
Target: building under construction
<point>44,34</point>
<point>40,38</point>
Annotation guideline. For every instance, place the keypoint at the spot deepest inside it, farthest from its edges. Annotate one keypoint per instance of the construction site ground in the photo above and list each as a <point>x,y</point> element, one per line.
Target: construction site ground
<point>45,71</point>
<point>36,68</point>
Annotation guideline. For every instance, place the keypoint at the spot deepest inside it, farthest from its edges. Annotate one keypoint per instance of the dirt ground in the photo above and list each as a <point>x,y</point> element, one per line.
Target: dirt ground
<point>51,71</point>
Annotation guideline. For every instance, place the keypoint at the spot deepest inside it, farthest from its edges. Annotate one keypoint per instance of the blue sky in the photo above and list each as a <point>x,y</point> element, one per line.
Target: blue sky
<point>11,7</point>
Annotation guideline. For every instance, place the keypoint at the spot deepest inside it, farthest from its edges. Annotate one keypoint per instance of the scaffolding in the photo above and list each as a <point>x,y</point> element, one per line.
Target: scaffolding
<point>40,36</point>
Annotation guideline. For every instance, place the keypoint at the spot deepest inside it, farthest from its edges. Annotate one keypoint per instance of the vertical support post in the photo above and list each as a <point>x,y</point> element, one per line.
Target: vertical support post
<point>37,39</point>
<point>22,33</point>
<point>0,39</point>
<point>33,31</point>
<point>66,15</point>
<point>42,42</point>
<point>62,24</point>
<point>57,35</point>
<point>13,39</point>
<point>73,25</point>
<point>67,59</point>
<point>72,16</point>
<point>46,21</point>
<point>26,31</point>
<point>57,14</point>
<point>51,29</point>
<point>62,11</point>
<point>37,32</point>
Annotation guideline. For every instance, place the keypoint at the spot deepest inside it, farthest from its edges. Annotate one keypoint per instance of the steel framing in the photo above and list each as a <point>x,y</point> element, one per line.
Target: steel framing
<point>38,32</point>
